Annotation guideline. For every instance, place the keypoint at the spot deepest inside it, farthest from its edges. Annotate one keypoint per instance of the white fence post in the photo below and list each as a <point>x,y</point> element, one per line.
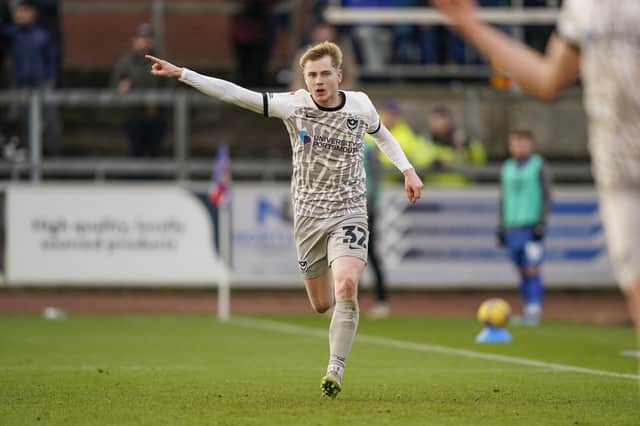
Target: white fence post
<point>224,284</point>
<point>35,134</point>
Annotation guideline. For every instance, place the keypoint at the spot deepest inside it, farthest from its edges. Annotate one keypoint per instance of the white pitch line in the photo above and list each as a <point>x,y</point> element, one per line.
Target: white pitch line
<point>425,347</point>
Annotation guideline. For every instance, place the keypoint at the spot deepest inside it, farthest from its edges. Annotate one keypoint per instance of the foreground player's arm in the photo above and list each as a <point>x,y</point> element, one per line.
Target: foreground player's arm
<point>214,87</point>
<point>540,75</point>
<point>388,144</point>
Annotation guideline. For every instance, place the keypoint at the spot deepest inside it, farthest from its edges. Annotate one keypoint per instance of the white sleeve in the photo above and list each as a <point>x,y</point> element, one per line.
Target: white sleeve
<point>391,148</point>
<point>373,119</point>
<point>571,25</point>
<point>281,105</point>
<point>224,90</point>
<point>383,137</point>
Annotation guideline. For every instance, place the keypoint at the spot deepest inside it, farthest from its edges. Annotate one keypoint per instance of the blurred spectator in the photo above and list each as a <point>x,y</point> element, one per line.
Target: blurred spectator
<point>403,44</point>
<point>32,61</point>
<point>30,52</point>
<point>49,19</point>
<point>323,31</point>
<point>440,45</point>
<point>413,145</point>
<point>252,36</point>
<point>451,149</point>
<point>146,126</point>
<point>316,9</point>
<point>6,15</point>
<point>6,19</point>
<point>537,36</point>
<point>373,41</point>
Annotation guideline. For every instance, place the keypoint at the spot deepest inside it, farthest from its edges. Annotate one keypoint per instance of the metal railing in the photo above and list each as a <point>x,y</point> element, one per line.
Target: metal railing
<point>181,167</point>
<point>98,98</point>
<point>100,169</point>
<point>515,16</point>
<point>425,15</point>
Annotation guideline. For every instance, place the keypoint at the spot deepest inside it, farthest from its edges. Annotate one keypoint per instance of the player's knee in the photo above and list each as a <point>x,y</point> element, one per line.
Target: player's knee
<point>321,307</point>
<point>531,271</point>
<point>346,288</point>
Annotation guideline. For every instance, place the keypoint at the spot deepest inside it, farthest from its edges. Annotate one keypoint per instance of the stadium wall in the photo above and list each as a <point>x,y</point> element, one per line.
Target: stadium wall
<point>447,240</point>
<point>84,235</point>
<point>486,114</point>
<point>141,236</point>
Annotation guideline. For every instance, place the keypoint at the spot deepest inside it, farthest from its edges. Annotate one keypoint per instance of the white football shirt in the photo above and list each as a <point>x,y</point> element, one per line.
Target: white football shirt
<point>327,143</point>
<point>328,152</point>
<point>607,32</point>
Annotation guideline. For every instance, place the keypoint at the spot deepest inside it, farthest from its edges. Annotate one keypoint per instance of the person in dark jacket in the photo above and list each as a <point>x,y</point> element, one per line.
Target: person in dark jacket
<point>251,36</point>
<point>49,19</point>
<point>30,52</point>
<point>373,171</point>
<point>33,67</point>
<point>6,18</point>
<point>145,126</point>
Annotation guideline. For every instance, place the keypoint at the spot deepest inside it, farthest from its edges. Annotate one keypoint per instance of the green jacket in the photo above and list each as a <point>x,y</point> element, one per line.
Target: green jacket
<point>447,156</point>
<point>414,147</point>
<point>136,68</point>
<point>525,198</point>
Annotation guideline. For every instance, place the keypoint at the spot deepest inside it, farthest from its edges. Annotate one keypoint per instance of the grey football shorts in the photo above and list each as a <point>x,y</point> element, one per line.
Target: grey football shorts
<point>619,209</point>
<point>320,241</point>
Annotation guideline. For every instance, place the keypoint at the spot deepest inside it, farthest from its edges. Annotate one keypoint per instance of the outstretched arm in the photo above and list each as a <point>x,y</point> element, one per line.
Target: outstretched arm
<point>215,87</point>
<point>540,75</point>
<point>388,144</point>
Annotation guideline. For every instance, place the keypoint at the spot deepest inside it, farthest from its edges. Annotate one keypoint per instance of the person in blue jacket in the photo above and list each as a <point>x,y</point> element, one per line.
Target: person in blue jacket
<point>33,67</point>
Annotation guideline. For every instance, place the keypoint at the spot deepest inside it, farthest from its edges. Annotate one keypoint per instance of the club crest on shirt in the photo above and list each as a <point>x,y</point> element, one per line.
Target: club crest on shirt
<point>352,123</point>
<point>304,137</point>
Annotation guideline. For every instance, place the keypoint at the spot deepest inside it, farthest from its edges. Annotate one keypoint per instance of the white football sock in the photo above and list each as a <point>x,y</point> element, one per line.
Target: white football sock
<point>342,331</point>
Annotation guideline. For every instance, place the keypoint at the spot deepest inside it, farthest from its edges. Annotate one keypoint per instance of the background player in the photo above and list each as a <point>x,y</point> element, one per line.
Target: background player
<point>326,128</point>
<point>525,201</point>
<point>373,169</point>
<point>599,40</point>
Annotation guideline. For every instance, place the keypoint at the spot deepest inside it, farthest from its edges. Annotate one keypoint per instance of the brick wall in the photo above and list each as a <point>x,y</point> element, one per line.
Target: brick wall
<point>95,40</point>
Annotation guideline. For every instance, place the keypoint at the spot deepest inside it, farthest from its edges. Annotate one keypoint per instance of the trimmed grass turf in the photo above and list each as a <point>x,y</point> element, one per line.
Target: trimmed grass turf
<point>193,370</point>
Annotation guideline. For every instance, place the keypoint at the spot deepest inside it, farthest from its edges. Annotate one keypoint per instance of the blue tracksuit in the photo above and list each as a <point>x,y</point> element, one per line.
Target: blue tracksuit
<point>524,204</point>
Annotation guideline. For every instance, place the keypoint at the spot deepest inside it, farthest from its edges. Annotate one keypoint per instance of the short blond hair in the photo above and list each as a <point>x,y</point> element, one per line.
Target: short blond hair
<point>320,50</point>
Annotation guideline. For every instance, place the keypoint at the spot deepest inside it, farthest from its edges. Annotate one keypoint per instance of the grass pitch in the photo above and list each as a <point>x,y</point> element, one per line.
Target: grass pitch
<point>95,370</point>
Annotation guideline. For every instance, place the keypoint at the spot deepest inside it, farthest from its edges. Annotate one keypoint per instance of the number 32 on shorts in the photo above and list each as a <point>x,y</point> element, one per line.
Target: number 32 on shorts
<point>355,236</point>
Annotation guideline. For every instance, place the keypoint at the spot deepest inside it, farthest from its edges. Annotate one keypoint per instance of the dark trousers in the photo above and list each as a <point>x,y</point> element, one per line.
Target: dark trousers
<point>374,260</point>
<point>252,61</point>
<point>17,122</point>
<point>146,136</point>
